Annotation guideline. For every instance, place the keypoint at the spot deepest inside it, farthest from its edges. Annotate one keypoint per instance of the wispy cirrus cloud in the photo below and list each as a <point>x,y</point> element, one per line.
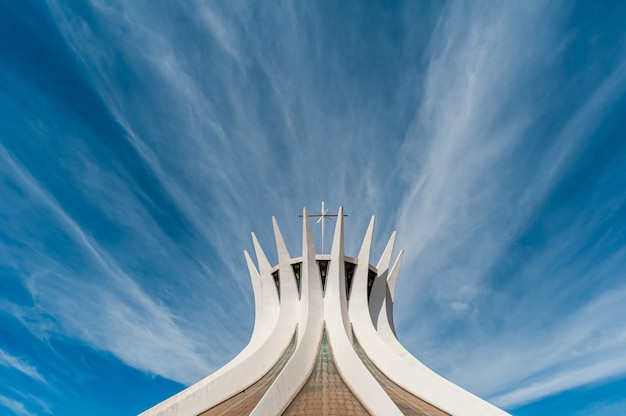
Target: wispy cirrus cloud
<point>476,115</point>
<point>477,190</point>
<point>13,405</point>
<point>581,348</point>
<point>108,310</point>
<point>142,142</point>
<point>605,408</point>
<point>18,364</point>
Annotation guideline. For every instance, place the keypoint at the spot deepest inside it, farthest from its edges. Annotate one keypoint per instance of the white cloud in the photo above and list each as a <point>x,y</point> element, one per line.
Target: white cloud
<point>605,408</point>
<point>527,363</point>
<point>14,406</point>
<point>249,121</point>
<point>603,368</point>
<point>476,188</point>
<point>16,363</point>
<point>111,312</point>
<point>465,170</point>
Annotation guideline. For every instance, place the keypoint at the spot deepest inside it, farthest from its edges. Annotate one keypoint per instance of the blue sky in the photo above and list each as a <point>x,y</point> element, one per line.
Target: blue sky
<point>141,142</point>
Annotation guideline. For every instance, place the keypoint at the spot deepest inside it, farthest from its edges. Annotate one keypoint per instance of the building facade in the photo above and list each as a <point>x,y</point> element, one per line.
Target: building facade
<point>324,343</point>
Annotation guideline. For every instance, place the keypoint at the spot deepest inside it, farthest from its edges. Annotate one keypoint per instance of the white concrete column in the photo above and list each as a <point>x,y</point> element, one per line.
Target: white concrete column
<point>310,325</point>
<point>412,375</point>
<point>384,323</point>
<point>256,362</point>
<point>338,329</point>
<point>379,289</point>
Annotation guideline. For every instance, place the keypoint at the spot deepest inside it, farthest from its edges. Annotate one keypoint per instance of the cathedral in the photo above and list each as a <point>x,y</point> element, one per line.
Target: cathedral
<point>324,343</point>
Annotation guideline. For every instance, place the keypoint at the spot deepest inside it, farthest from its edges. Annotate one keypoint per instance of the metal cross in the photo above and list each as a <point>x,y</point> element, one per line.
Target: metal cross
<point>322,217</point>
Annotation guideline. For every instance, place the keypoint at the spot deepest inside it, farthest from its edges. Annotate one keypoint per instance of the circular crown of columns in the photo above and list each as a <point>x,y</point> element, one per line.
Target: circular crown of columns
<point>324,317</point>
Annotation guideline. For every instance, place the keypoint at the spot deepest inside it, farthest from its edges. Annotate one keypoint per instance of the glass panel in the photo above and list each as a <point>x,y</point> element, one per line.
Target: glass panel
<point>243,402</point>
<point>349,275</point>
<point>371,276</point>
<point>323,265</point>
<point>407,402</point>
<point>296,271</point>
<point>325,392</point>
<point>276,277</point>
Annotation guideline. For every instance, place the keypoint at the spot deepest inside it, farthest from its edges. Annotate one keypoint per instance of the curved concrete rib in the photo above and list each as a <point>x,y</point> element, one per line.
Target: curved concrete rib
<point>269,300</point>
<point>384,325</point>
<point>257,290</point>
<point>310,325</point>
<point>352,370</point>
<point>411,375</point>
<point>265,315</point>
<point>248,369</point>
<point>379,289</point>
